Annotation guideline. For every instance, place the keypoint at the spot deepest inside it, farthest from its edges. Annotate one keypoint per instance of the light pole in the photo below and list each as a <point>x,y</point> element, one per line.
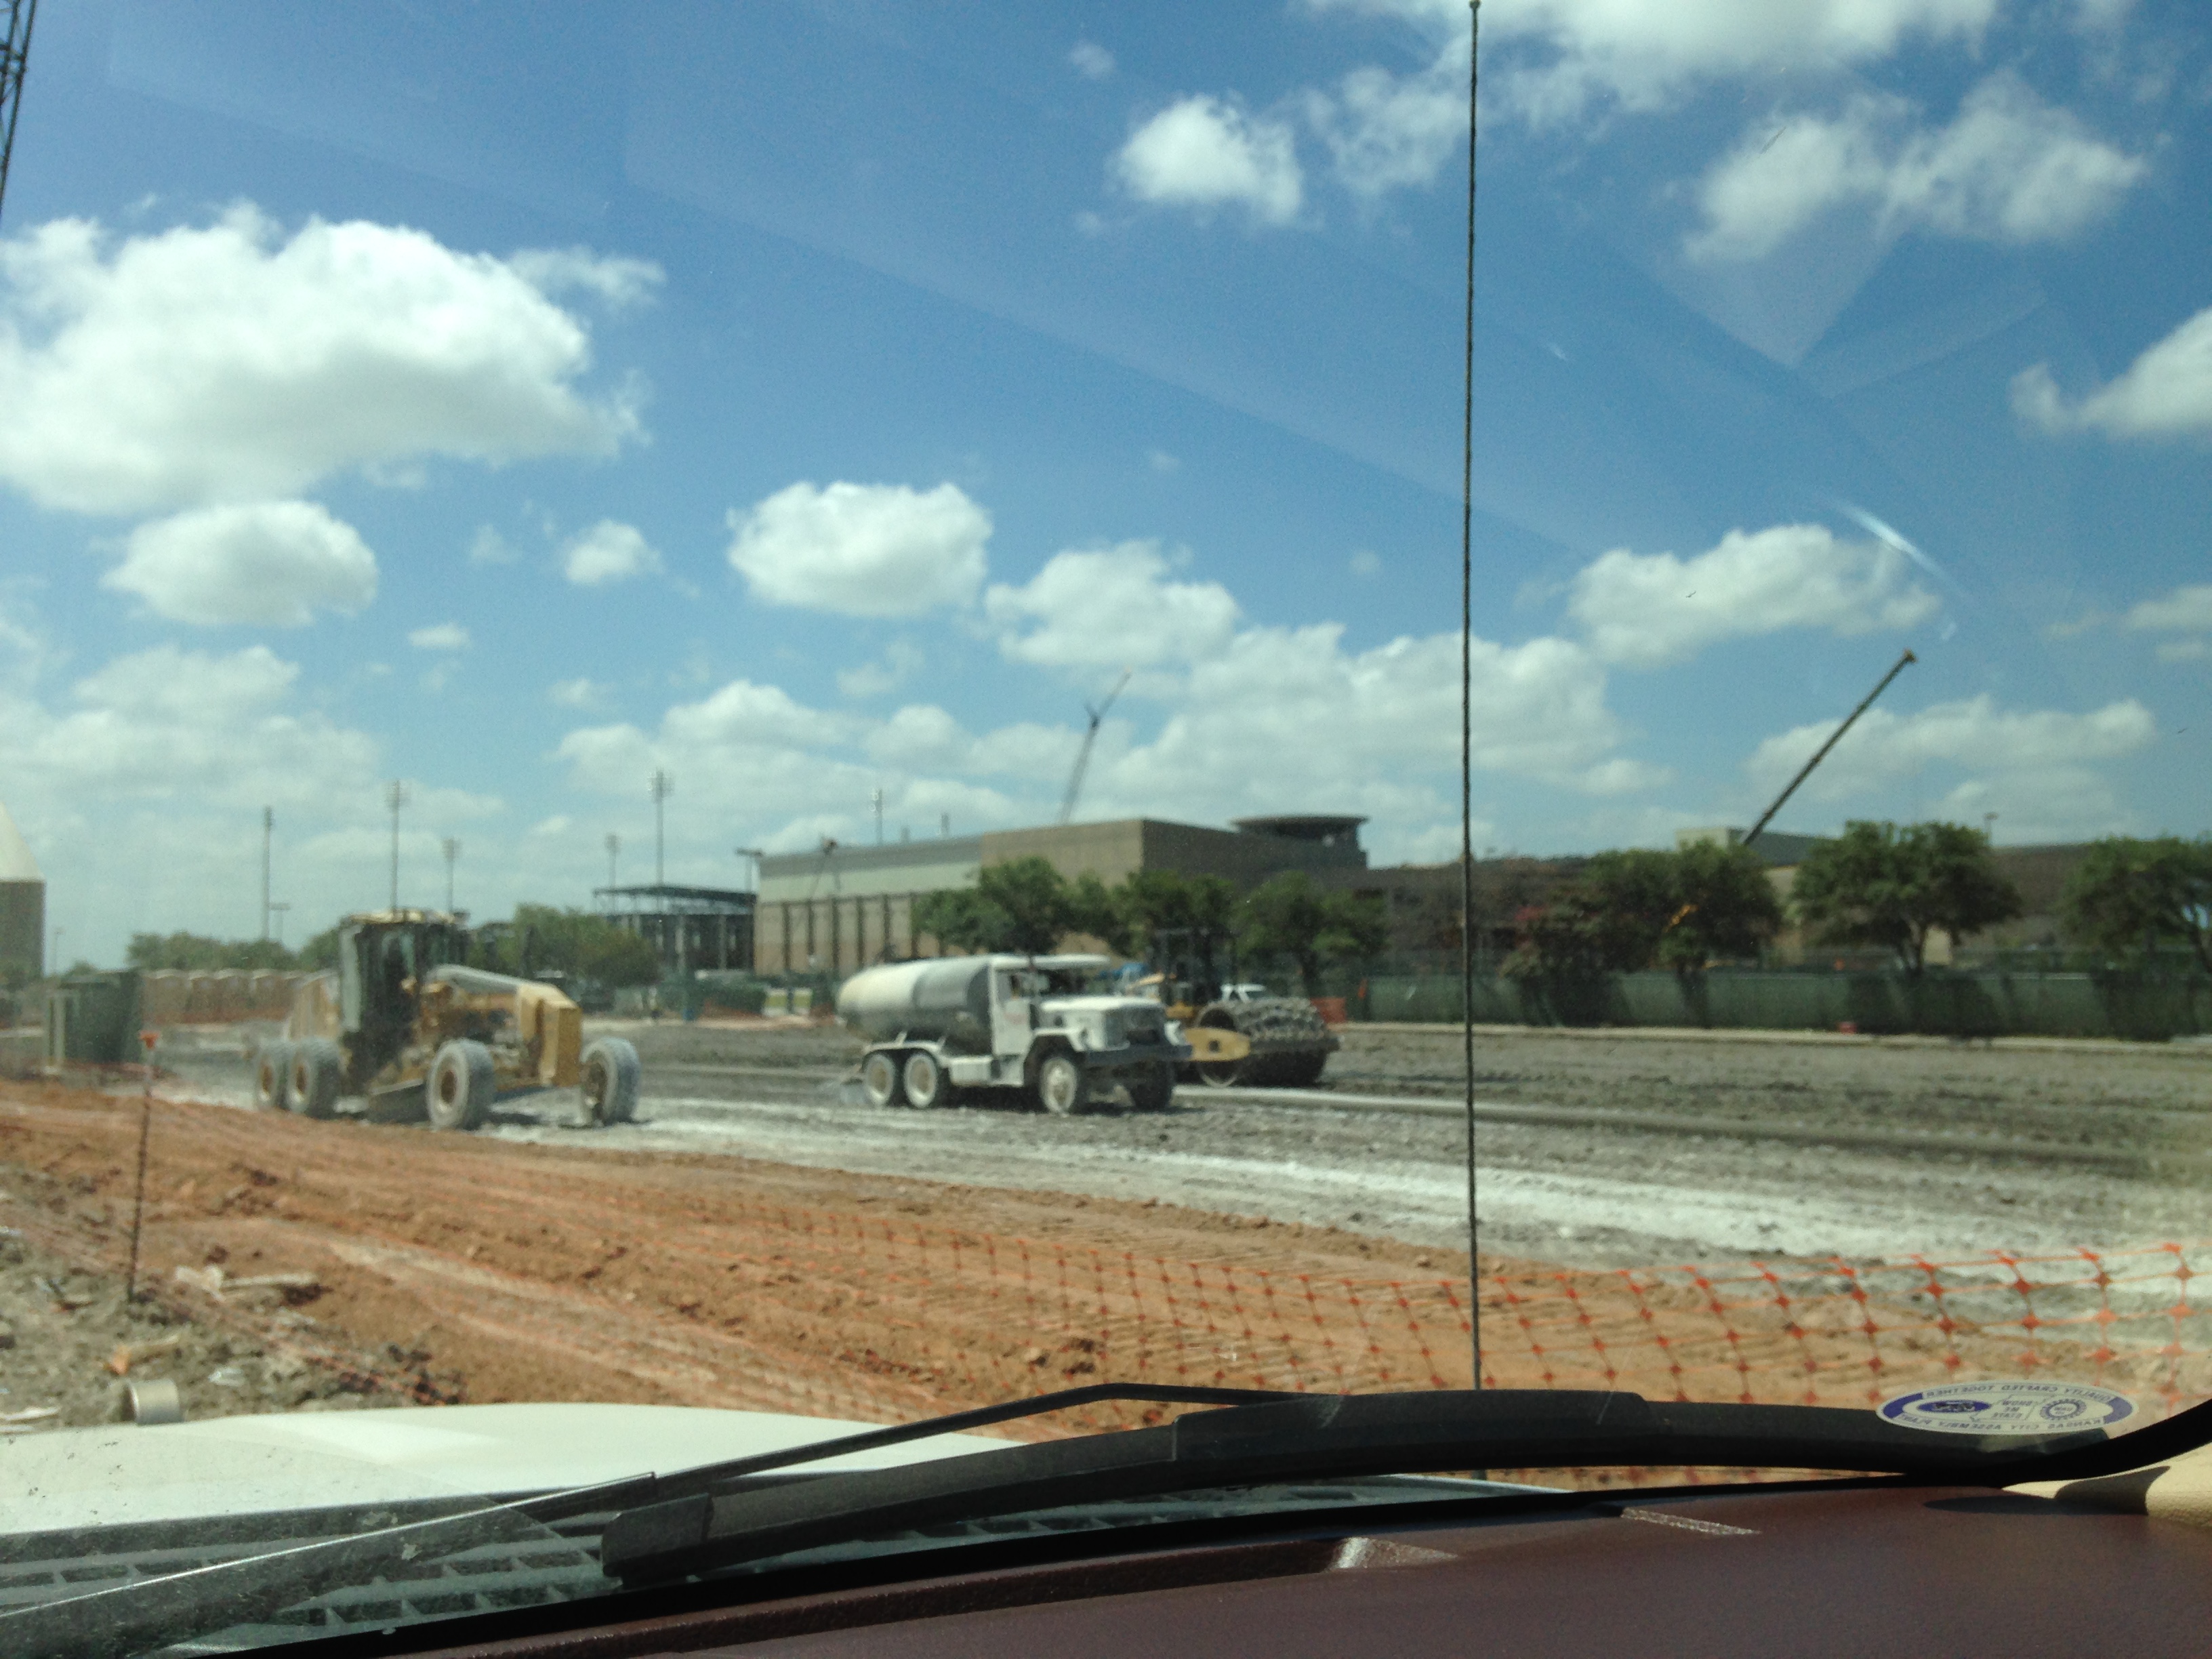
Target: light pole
<point>267,832</point>
<point>277,910</point>
<point>614,847</point>
<point>879,817</point>
<point>755,854</point>
<point>395,797</point>
<point>453,849</point>
<point>662,784</point>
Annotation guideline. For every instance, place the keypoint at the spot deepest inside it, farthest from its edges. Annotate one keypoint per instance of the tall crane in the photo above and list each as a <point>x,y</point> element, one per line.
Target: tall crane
<point>14,54</point>
<point>1090,737</point>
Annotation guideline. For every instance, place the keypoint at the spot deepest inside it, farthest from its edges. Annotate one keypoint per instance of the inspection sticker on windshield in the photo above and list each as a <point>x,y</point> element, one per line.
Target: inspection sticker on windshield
<point>2009,1409</point>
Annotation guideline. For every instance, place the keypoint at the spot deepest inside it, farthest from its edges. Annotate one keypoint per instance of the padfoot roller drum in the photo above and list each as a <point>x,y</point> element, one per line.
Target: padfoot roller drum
<point>1290,1044</point>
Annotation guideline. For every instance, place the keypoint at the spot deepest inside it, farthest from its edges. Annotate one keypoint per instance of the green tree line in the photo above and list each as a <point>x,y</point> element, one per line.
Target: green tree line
<point>1026,905</point>
<point>540,938</point>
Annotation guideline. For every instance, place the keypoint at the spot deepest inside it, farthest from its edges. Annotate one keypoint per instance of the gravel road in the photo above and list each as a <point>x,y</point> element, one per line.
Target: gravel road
<point>1596,1149</point>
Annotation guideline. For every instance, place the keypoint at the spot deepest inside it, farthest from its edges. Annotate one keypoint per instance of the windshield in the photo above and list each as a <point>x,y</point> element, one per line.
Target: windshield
<point>752,521</point>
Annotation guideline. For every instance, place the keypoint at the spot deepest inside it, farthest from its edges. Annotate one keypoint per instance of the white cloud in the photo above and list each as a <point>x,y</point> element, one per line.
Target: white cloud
<point>167,722</point>
<point>1367,562</point>
<point>2036,767</point>
<point>273,563</point>
<point>621,283</point>
<point>608,552</point>
<point>1091,61</point>
<point>1650,610</point>
<point>1111,606</point>
<point>1388,131</point>
<point>440,636</point>
<point>578,693</point>
<point>489,547</point>
<point>228,363</point>
<point>2008,169</point>
<point>2166,393</point>
<point>862,549</point>
<point>2186,609</point>
<point>1163,462</point>
<point>902,660</point>
<point>1207,153</point>
<point>1649,57</point>
<point>2183,650</point>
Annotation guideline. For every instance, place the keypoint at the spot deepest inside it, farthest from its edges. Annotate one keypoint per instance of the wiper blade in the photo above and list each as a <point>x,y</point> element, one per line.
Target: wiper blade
<point>1308,1437</point>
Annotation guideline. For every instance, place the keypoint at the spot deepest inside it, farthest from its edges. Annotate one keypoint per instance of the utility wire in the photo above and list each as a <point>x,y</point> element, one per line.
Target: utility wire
<point>1467,712</point>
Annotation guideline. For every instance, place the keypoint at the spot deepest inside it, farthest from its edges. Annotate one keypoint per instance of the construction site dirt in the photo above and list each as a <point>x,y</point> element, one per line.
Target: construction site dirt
<point>1596,1149</point>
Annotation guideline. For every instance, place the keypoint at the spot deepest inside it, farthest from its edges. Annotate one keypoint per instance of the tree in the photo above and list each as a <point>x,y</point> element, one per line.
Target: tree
<point>1626,911</point>
<point>2126,894</point>
<point>961,918</point>
<point>1292,915</point>
<point>543,938</point>
<point>1724,907</point>
<point>1878,885</point>
<point>1022,905</point>
<point>197,952</point>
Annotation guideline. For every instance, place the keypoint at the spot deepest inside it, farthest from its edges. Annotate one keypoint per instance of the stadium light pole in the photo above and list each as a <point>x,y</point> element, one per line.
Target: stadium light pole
<point>395,797</point>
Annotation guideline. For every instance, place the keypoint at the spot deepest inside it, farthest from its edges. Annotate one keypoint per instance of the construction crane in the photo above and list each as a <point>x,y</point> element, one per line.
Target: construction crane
<point>14,54</point>
<point>1090,737</point>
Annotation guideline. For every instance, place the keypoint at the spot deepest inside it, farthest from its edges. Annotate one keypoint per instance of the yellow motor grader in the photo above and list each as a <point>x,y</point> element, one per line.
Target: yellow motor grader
<point>408,1026</point>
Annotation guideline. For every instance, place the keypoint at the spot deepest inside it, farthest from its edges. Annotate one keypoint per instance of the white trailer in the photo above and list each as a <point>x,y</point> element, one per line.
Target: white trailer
<point>936,1027</point>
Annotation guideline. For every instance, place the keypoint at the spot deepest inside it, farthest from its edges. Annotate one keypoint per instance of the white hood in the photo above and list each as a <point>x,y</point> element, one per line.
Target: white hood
<point>244,1465</point>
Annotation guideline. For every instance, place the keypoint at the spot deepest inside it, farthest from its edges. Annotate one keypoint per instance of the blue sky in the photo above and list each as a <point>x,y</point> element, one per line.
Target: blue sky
<point>809,400</point>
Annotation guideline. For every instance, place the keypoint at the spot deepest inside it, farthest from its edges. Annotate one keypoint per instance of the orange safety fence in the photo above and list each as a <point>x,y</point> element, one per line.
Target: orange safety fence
<point>1818,1331</point>
<point>901,1318</point>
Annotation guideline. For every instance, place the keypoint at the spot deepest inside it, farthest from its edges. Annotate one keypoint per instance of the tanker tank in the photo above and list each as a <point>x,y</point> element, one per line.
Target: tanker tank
<point>946,999</point>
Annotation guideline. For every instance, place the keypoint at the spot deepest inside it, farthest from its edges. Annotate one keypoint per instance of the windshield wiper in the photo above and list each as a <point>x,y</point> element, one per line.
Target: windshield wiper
<point>1323,1436</point>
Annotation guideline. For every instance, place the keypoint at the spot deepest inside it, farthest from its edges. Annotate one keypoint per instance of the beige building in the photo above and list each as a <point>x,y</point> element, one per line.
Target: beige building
<point>841,908</point>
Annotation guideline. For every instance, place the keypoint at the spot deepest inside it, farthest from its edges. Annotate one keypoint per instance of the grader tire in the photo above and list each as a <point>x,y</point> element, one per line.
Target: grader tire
<point>272,1077</point>
<point>459,1092</point>
<point>611,1073</point>
<point>315,1078</point>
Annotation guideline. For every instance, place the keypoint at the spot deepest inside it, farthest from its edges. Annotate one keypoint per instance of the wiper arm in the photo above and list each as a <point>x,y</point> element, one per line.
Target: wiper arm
<point>1309,1437</point>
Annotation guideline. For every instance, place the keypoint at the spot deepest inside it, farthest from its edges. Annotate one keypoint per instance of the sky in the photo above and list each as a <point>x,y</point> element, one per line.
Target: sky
<point>811,400</point>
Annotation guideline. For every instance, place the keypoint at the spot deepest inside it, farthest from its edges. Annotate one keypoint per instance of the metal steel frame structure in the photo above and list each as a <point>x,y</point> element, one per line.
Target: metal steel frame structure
<point>14,54</point>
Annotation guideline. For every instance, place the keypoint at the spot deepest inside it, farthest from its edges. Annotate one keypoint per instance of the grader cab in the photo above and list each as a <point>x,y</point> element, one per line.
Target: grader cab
<point>408,1026</point>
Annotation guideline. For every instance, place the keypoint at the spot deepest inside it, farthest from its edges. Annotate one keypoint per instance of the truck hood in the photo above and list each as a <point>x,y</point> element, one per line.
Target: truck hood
<point>98,1477</point>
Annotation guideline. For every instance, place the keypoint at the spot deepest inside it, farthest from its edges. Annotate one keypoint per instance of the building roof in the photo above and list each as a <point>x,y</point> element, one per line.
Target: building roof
<point>1301,826</point>
<point>16,863</point>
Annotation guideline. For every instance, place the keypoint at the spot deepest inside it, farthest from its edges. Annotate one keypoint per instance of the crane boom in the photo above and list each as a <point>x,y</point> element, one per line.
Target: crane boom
<point>14,54</point>
<point>1083,753</point>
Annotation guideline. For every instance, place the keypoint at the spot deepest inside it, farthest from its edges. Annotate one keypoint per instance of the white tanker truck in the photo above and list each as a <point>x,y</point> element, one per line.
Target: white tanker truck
<point>1030,1023</point>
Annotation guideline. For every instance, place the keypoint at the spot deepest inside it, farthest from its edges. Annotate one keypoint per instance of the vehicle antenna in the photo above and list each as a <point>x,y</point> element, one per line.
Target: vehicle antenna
<point>1822,753</point>
<point>1466,717</point>
<point>1083,753</point>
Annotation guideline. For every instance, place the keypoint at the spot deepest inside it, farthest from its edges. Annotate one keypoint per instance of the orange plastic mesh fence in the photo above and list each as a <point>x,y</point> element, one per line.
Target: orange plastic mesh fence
<point>905,1318</point>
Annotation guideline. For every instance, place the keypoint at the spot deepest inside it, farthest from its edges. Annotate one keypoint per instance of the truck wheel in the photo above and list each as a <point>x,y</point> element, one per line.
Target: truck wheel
<point>1061,1088</point>
<point>611,1073</point>
<point>924,1080</point>
<point>1155,1092</point>
<point>459,1091</point>
<point>315,1078</point>
<point>879,1078</point>
<point>272,1077</point>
